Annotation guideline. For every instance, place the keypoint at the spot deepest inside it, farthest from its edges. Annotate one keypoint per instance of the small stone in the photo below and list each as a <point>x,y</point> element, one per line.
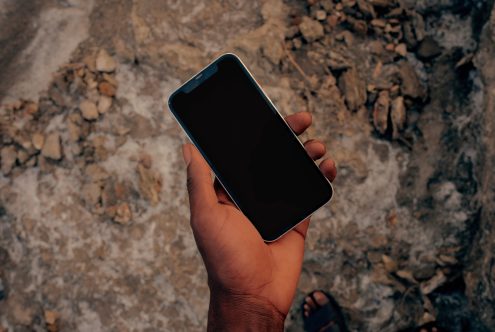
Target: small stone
<point>38,140</point>
<point>150,184</point>
<point>104,62</point>
<point>52,148</point>
<point>51,320</point>
<point>366,8</point>
<point>428,49</point>
<point>410,84</point>
<point>95,173</point>
<point>22,156</point>
<point>32,108</point>
<point>398,116</point>
<point>333,21</point>
<point>353,88</point>
<point>320,15</point>
<point>311,29</point>
<point>380,111</point>
<point>378,22</point>
<point>401,49</point>
<point>123,214</point>
<point>88,110</point>
<point>8,157</point>
<point>406,275</point>
<point>104,104</point>
<point>107,89</point>
<point>91,193</point>
<point>424,272</point>
<point>390,47</point>
<point>429,286</point>
<point>389,263</point>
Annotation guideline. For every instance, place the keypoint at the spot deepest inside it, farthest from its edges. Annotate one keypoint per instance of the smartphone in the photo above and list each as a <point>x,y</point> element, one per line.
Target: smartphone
<point>254,154</point>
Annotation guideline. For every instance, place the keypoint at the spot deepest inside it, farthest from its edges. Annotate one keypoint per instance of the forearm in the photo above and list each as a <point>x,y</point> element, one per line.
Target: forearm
<point>243,313</point>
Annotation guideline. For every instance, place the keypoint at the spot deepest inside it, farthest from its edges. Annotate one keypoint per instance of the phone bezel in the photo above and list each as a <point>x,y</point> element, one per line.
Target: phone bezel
<point>196,80</point>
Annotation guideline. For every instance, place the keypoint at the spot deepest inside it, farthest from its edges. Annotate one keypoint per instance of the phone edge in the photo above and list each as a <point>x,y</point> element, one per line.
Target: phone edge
<point>280,115</point>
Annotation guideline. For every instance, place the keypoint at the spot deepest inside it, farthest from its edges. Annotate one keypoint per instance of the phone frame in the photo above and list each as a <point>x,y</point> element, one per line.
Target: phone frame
<point>199,77</point>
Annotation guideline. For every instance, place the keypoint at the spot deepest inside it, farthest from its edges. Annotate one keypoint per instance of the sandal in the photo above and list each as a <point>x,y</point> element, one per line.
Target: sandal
<point>321,313</point>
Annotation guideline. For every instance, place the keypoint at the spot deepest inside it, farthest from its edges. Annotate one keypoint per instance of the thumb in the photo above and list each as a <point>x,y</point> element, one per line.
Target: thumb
<point>199,181</point>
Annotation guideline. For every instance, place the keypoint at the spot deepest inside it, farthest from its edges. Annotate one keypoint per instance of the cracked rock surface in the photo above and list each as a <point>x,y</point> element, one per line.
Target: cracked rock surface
<point>94,232</point>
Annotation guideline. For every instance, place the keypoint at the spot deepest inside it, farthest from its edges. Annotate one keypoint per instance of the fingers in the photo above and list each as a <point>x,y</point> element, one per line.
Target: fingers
<point>299,122</point>
<point>315,149</point>
<point>199,183</point>
<point>328,168</point>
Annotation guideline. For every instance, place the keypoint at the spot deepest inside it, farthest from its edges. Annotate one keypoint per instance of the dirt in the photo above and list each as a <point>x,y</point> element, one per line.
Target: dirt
<point>94,231</point>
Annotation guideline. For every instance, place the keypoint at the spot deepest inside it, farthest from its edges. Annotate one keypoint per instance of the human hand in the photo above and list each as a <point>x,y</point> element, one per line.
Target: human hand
<point>251,282</point>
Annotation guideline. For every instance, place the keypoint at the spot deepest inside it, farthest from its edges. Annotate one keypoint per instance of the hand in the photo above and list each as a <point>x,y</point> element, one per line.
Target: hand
<point>250,281</point>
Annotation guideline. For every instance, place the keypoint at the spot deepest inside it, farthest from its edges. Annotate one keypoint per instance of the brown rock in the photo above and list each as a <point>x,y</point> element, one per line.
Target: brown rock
<point>398,116</point>
<point>336,61</point>
<point>311,29</point>
<point>88,110</point>
<point>401,49</point>
<point>123,214</point>
<point>429,286</point>
<point>366,8</point>
<point>107,89</point>
<point>38,141</point>
<point>389,264</point>
<point>95,173</point>
<point>380,112</point>
<point>353,88</point>
<point>428,49</point>
<point>410,84</point>
<point>150,184</point>
<point>22,156</point>
<point>31,108</point>
<point>51,319</point>
<point>8,156</point>
<point>74,131</point>
<point>320,15</point>
<point>91,193</point>
<point>104,62</point>
<point>379,22</point>
<point>52,148</point>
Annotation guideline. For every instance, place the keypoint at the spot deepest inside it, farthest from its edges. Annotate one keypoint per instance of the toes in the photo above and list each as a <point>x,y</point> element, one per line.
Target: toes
<point>315,149</point>
<point>320,298</point>
<point>307,309</point>
<point>309,301</point>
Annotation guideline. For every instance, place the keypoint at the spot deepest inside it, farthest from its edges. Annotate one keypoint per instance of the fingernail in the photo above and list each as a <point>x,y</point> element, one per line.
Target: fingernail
<point>186,153</point>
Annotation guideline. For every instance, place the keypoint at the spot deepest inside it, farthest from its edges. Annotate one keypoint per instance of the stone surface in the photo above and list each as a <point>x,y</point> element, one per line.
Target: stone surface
<point>8,156</point>
<point>104,62</point>
<point>89,110</point>
<point>52,148</point>
<point>311,29</point>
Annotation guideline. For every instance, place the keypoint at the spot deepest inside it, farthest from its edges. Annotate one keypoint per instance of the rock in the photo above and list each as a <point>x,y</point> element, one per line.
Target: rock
<point>389,264</point>
<point>401,49</point>
<point>353,88</point>
<point>8,156</point>
<point>429,286</point>
<point>122,213</point>
<point>380,112</point>
<point>406,275</point>
<point>366,8</point>
<point>104,104</point>
<point>38,141</point>
<point>150,184</point>
<point>428,49</point>
<point>336,61</point>
<point>104,62</point>
<point>31,108</point>
<point>424,272</point>
<point>51,320</point>
<point>91,193</point>
<point>88,110</point>
<point>95,173</point>
<point>320,15</point>
<point>379,22</point>
<point>52,148</point>
<point>107,89</point>
<point>311,29</point>
<point>410,84</point>
<point>398,116</point>
<point>22,156</point>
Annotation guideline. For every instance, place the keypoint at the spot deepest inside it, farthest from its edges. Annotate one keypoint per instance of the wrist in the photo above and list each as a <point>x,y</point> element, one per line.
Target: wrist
<point>233,312</point>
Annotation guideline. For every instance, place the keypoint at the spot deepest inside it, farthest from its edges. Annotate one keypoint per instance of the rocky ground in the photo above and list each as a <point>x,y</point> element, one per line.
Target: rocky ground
<point>94,229</point>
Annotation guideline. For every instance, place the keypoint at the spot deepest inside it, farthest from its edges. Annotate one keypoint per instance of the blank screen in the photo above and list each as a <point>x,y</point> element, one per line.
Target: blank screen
<point>252,151</point>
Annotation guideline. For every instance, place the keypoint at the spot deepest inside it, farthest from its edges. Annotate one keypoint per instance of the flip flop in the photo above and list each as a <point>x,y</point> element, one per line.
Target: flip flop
<point>328,317</point>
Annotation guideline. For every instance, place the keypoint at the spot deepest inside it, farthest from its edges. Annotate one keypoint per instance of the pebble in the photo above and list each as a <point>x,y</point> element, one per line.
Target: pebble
<point>52,148</point>
<point>104,62</point>
<point>123,214</point>
<point>8,157</point>
<point>107,89</point>
<point>428,48</point>
<point>401,49</point>
<point>380,111</point>
<point>104,104</point>
<point>353,88</point>
<point>320,15</point>
<point>429,286</point>
<point>38,140</point>
<point>51,320</point>
<point>398,116</point>
<point>311,29</point>
<point>88,110</point>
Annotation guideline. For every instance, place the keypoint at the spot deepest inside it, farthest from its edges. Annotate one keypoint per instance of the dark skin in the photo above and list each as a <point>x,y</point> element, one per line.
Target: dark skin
<point>252,283</point>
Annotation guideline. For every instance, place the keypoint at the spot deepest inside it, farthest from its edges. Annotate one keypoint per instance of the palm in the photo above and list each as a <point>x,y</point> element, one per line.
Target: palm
<point>236,257</point>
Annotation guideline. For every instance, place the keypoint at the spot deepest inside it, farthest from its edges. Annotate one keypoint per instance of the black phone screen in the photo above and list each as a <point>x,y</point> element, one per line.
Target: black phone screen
<point>252,151</point>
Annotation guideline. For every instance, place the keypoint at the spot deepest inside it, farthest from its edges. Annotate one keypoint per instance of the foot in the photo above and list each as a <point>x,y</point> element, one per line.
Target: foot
<point>321,313</point>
